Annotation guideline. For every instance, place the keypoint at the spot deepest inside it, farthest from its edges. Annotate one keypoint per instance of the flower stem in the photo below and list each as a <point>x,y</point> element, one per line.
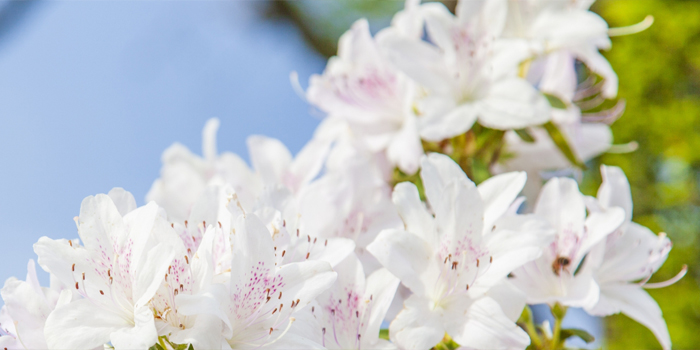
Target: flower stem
<point>558,311</point>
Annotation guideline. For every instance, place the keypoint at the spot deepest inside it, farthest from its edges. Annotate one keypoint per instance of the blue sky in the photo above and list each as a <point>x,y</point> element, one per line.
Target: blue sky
<point>91,93</point>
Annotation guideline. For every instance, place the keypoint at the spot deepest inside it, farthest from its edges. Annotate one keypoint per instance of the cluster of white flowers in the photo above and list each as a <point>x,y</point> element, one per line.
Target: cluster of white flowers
<point>321,250</point>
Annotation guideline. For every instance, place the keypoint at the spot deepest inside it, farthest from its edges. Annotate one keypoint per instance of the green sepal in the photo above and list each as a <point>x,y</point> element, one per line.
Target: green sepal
<point>560,141</point>
<point>525,135</point>
<point>384,334</point>
<point>555,101</point>
<point>571,332</point>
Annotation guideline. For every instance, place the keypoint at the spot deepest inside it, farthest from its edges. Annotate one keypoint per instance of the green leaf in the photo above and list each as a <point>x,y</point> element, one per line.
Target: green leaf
<point>384,334</point>
<point>525,135</point>
<point>156,347</point>
<point>571,332</point>
<point>558,138</point>
<point>555,101</point>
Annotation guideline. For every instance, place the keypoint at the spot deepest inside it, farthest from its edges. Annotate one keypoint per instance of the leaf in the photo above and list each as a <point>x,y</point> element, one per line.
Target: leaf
<point>563,145</point>
<point>555,101</point>
<point>525,135</point>
<point>384,334</point>
<point>571,332</point>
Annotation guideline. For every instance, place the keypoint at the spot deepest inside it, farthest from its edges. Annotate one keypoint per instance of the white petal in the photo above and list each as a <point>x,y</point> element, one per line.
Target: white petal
<point>123,200</point>
<point>498,193</point>
<point>309,162</point>
<point>205,334</point>
<point>513,104</point>
<point>270,158</point>
<point>636,303</point>
<point>81,325</point>
<point>450,123</point>
<point>209,139</point>
<point>416,327</point>
<point>381,287</point>
<point>149,275</point>
<point>487,327</point>
<point>413,213</point>
<point>142,335</point>
<point>438,170</point>
<point>615,190</point>
<point>253,248</point>
<point>406,256</point>
<point>405,149</point>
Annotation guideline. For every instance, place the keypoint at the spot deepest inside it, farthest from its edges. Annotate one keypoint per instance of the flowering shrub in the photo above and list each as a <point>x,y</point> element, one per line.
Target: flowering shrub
<point>404,208</point>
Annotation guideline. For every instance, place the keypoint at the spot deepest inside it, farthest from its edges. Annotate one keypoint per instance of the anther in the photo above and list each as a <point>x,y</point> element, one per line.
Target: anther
<point>281,305</point>
<point>284,251</point>
<point>110,280</point>
<point>280,297</point>
<point>307,255</point>
<point>76,285</point>
<point>312,309</point>
<point>83,276</point>
<point>172,225</point>
<point>219,224</point>
<point>185,223</point>
<point>204,223</point>
<point>273,311</point>
<point>308,238</point>
<point>315,240</point>
<point>70,242</point>
<point>271,329</point>
<point>477,262</point>
<point>73,268</point>
<point>325,244</point>
<point>182,288</point>
<point>467,287</point>
<point>284,223</point>
<point>323,330</point>
<point>187,260</point>
<point>454,265</point>
<point>297,232</point>
<point>109,273</point>
<point>490,259</point>
<point>357,314</point>
<point>175,291</point>
<point>101,292</point>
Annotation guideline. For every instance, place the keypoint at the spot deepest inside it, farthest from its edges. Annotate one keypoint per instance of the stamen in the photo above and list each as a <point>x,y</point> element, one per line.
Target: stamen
<point>219,224</point>
<point>669,282</point>
<point>73,268</point>
<point>101,292</point>
<point>76,285</point>
<point>187,260</point>
<point>185,223</point>
<point>633,29</point>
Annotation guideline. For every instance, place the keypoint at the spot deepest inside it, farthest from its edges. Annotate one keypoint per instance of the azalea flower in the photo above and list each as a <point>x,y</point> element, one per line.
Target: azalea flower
<point>116,273</point>
<point>27,305</point>
<point>185,176</point>
<point>561,274</point>
<point>352,201</point>
<point>551,26</point>
<point>451,260</point>
<point>258,304</point>
<point>351,312</point>
<point>467,74</point>
<point>630,254</point>
<point>362,88</point>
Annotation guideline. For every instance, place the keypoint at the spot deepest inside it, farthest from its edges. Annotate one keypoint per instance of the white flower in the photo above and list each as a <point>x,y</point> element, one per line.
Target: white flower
<point>561,274</point>
<point>630,254</point>
<point>352,200</point>
<point>27,305</point>
<point>467,74</point>
<point>258,304</point>
<point>451,260</point>
<point>116,272</point>
<point>184,176</point>
<point>363,89</point>
<point>552,26</point>
<point>351,312</point>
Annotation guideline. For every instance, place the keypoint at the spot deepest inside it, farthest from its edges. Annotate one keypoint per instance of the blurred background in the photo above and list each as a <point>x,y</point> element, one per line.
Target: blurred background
<point>91,93</point>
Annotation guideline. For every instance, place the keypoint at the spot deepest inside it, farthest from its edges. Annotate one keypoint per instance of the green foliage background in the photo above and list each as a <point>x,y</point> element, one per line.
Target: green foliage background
<point>659,72</point>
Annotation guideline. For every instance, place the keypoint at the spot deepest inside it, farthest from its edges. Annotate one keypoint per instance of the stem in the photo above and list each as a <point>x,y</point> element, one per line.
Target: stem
<point>558,311</point>
<point>528,324</point>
